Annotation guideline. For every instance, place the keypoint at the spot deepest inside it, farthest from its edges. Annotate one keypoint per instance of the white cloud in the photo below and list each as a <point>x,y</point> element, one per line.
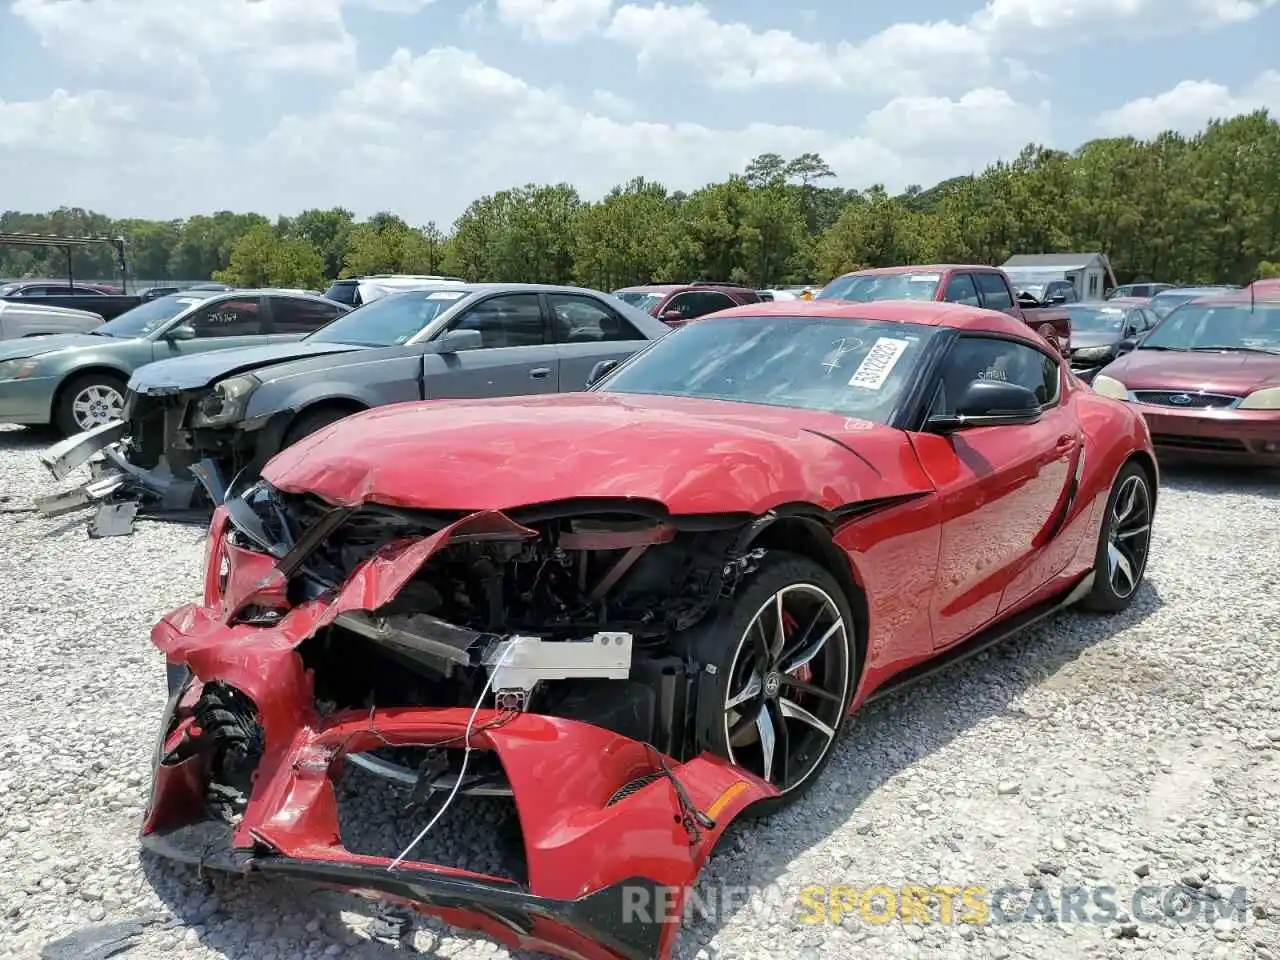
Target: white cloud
<point>555,20</point>
<point>610,104</point>
<point>176,39</point>
<point>904,58</point>
<point>1190,105</point>
<point>62,123</point>
<point>427,134</point>
<point>736,56</point>
<point>986,115</point>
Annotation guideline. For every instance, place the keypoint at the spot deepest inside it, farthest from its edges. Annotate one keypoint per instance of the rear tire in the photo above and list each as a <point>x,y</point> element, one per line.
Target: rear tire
<point>1124,542</point>
<point>774,701</point>
<point>87,401</point>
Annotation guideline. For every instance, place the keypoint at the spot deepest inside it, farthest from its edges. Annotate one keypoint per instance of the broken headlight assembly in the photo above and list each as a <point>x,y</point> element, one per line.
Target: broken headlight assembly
<point>226,404</point>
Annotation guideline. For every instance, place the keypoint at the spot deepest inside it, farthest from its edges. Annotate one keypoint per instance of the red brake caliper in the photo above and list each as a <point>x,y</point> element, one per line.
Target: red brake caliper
<point>801,673</point>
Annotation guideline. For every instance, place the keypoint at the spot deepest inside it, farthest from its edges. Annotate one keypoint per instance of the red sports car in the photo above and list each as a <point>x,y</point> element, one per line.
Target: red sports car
<point>1207,379</point>
<point>639,611</point>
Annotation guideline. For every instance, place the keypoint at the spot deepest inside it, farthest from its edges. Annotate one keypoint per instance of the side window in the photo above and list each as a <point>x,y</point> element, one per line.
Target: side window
<point>994,290</point>
<point>698,304</point>
<point>290,315</point>
<point>514,320</point>
<point>1133,323</point>
<point>1093,284</point>
<point>988,358</point>
<point>1149,319</point>
<point>961,289</point>
<point>234,317</point>
<point>584,320</point>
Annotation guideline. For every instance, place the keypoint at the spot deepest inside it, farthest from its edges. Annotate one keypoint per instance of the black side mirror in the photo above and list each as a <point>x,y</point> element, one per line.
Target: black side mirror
<point>600,371</point>
<point>989,403</point>
<point>1027,300</point>
<point>1127,345</point>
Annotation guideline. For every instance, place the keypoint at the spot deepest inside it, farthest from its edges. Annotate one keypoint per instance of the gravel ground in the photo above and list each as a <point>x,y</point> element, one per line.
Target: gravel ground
<point>1141,750</point>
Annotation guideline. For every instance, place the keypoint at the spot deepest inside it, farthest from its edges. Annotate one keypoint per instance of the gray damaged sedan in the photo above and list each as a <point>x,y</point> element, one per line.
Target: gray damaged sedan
<point>76,381</point>
<point>191,425</point>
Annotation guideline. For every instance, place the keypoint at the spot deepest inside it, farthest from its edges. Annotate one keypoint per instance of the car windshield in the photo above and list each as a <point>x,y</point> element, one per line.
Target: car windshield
<point>1095,319</point>
<point>640,299</point>
<point>390,320</point>
<point>855,368</point>
<point>149,317</point>
<point>1164,304</point>
<point>863,287</point>
<point>1233,326</point>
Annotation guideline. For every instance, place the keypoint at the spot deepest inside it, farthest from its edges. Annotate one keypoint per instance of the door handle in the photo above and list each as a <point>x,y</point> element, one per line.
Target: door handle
<point>1066,443</point>
<point>540,373</point>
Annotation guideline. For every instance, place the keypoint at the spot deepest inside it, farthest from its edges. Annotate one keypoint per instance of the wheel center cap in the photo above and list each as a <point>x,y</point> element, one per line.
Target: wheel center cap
<point>772,684</point>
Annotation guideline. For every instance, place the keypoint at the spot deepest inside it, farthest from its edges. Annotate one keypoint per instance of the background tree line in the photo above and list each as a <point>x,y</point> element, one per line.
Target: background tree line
<point>1183,209</point>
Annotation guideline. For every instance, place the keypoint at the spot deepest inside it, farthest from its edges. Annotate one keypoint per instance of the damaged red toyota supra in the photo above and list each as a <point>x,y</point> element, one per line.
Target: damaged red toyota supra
<point>637,612</point>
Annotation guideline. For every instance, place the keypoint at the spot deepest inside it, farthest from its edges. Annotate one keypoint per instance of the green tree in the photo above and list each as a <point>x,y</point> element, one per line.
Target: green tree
<point>624,239</point>
<point>262,258</point>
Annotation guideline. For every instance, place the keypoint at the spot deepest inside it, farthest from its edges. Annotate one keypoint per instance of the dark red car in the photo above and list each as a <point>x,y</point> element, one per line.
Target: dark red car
<point>1207,379</point>
<point>675,304</point>
<point>649,607</point>
<point>972,284</point>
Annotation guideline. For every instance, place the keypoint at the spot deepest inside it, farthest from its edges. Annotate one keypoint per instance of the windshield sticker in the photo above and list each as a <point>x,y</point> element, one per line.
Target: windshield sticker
<point>189,301</point>
<point>879,362</point>
<point>446,295</point>
<point>925,277</point>
<point>853,423</point>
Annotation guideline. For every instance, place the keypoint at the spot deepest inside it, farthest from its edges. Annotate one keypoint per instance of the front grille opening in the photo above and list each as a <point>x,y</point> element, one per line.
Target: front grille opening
<point>1186,401</point>
<point>480,831</point>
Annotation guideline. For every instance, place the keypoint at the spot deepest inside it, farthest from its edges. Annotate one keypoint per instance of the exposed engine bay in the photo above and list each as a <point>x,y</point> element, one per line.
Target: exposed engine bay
<point>539,655</point>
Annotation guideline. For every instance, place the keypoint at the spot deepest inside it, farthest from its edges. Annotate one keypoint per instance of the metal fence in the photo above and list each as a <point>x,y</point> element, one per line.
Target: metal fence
<point>134,286</point>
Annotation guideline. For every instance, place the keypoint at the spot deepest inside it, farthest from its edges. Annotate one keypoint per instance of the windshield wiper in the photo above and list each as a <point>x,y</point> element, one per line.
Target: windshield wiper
<point>1144,346</point>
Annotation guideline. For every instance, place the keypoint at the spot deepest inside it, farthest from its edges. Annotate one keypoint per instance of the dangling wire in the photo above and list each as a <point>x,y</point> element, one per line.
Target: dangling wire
<point>466,756</point>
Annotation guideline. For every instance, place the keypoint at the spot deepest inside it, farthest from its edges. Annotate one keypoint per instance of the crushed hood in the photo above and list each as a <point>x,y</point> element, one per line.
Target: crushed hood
<point>1231,373</point>
<point>25,347</point>
<point>205,369</point>
<point>693,456</point>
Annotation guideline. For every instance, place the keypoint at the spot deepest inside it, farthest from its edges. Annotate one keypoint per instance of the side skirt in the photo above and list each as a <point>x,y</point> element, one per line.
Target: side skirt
<point>986,639</point>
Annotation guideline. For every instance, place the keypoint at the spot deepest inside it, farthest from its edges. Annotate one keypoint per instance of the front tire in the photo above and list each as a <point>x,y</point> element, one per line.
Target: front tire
<point>312,421</point>
<point>779,666</point>
<point>1124,542</point>
<point>88,401</point>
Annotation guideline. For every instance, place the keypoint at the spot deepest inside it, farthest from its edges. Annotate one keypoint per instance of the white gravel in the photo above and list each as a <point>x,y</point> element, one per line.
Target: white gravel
<point>1138,750</point>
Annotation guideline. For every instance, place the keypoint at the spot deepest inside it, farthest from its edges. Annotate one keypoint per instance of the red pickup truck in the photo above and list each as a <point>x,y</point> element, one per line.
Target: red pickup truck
<point>972,284</point>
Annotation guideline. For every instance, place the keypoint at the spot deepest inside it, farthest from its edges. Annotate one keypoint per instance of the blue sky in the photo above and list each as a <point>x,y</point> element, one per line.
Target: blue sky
<point>165,108</point>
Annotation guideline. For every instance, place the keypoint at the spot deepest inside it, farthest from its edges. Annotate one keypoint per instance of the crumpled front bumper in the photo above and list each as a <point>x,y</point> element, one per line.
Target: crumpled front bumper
<point>608,870</point>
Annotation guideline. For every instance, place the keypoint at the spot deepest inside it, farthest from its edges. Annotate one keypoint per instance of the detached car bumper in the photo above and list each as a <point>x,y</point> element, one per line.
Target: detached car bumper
<point>1246,437</point>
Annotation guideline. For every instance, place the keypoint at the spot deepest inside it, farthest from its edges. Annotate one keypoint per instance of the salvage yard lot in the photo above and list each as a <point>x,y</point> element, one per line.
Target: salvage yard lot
<point>1088,753</point>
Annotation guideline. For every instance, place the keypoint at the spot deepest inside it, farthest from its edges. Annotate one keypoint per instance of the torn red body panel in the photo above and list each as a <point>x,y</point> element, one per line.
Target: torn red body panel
<point>607,872</point>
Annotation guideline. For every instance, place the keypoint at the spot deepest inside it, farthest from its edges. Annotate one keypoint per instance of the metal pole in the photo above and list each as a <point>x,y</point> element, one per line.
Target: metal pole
<point>71,275</point>
<point>124,270</point>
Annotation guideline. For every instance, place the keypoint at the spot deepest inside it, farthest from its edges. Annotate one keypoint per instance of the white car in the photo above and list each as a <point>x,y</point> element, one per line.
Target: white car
<point>19,320</point>
<point>360,290</point>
